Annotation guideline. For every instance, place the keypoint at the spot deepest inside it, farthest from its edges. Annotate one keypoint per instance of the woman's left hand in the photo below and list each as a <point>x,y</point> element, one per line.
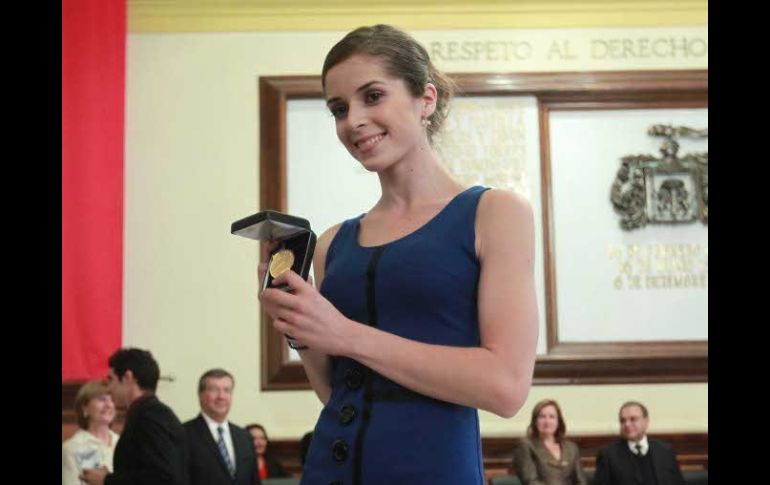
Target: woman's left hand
<point>306,315</point>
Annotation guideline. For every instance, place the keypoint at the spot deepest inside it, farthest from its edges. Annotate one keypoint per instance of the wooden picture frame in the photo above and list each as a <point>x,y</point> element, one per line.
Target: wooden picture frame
<point>563,363</point>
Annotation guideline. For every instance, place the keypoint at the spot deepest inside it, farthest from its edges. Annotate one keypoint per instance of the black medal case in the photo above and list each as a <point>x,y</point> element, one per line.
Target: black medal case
<point>292,232</point>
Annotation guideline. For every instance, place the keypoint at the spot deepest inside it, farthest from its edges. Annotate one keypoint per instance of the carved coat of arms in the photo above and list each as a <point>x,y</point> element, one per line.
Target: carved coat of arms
<point>665,190</point>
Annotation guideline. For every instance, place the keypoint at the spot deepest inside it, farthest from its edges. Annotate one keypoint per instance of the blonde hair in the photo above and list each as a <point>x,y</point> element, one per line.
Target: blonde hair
<point>87,391</point>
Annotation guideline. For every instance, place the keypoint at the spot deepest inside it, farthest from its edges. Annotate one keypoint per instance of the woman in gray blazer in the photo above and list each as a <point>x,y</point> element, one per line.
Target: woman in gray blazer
<point>545,457</point>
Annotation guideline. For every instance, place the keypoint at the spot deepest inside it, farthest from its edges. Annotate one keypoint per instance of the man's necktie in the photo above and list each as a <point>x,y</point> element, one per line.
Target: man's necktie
<point>223,451</point>
<point>639,450</point>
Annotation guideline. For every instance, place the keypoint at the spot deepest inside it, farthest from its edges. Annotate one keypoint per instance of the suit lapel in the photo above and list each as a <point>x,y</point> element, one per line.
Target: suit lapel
<point>206,437</point>
<point>632,462</point>
<point>125,453</point>
<point>656,464</point>
<point>237,447</point>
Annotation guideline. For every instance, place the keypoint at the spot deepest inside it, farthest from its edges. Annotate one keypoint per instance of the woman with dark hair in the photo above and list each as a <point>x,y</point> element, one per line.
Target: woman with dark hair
<point>545,457</point>
<point>426,310</point>
<point>267,465</point>
<point>93,444</point>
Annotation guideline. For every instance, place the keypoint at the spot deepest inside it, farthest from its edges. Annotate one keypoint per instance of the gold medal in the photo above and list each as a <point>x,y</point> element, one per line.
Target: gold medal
<point>281,262</point>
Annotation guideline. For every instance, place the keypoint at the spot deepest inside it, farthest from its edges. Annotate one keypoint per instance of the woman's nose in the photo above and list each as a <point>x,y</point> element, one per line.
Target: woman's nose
<point>356,117</point>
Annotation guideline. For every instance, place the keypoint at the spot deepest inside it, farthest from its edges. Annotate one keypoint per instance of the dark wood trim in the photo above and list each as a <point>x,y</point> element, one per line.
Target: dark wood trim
<point>611,362</point>
<point>69,390</point>
<point>691,450</point>
<point>549,252</point>
<point>564,363</point>
<point>599,83</point>
<point>277,371</point>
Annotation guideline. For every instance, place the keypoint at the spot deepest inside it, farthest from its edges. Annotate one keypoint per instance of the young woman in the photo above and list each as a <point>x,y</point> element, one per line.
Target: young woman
<point>93,445</point>
<point>545,457</point>
<point>426,310</point>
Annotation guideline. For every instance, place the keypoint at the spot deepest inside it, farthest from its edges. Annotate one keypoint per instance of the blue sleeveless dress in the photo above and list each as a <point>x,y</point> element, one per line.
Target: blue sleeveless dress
<point>421,287</point>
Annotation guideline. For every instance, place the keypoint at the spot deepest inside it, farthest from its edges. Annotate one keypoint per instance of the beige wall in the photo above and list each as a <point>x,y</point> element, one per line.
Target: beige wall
<point>192,168</point>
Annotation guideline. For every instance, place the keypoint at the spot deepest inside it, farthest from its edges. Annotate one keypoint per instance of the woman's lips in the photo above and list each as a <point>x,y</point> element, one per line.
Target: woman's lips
<point>368,143</point>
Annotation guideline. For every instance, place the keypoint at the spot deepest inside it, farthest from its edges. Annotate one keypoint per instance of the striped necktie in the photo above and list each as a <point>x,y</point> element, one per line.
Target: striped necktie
<point>223,451</point>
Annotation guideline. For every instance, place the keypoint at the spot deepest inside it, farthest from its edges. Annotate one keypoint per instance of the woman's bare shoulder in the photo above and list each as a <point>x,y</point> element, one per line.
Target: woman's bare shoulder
<point>323,243</point>
<point>493,201</point>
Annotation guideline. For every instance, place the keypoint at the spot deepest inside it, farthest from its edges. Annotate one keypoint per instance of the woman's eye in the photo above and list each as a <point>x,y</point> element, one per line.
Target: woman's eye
<point>373,96</point>
<point>338,111</point>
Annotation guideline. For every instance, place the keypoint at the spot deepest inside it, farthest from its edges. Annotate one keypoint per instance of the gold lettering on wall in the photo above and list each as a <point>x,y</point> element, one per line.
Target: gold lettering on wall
<point>647,48</point>
<point>659,266</point>
<point>481,51</point>
<point>483,142</point>
<point>560,51</point>
<point>604,49</point>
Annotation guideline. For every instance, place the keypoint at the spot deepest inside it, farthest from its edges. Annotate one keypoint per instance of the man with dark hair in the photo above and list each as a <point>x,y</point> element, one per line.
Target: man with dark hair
<point>221,453</point>
<point>636,459</point>
<point>152,448</point>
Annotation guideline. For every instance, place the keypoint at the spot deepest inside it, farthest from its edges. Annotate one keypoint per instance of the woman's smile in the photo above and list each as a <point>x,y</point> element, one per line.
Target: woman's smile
<point>367,143</point>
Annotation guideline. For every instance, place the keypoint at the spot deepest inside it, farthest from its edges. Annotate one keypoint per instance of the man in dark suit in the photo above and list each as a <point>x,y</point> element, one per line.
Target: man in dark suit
<point>636,459</point>
<point>152,448</point>
<point>221,452</point>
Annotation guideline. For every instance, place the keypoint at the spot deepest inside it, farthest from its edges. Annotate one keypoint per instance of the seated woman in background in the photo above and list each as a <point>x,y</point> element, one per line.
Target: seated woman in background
<point>545,457</point>
<point>93,445</point>
<point>267,465</point>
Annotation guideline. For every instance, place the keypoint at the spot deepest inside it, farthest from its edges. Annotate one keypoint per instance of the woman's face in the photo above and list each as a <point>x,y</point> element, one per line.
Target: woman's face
<point>377,118</point>
<point>260,440</point>
<point>547,421</point>
<point>100,410</point>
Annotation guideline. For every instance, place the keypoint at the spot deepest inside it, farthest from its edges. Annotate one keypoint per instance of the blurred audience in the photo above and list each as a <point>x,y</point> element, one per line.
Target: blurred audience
<point>267,465</point>
<point>221,453</point>
<point>636,459</point>
<point>152,448</point>
<point>93,444</point>
<point>545,457</point>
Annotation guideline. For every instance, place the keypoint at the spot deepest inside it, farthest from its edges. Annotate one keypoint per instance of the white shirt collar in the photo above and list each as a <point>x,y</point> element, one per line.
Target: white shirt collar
<point>213,425</point>
<point>643,442</point>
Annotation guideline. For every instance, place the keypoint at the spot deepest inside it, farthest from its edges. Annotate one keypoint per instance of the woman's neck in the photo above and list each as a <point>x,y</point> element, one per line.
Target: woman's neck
<point>413,182</point>
<point>101,431</point>
<point>548,439</point>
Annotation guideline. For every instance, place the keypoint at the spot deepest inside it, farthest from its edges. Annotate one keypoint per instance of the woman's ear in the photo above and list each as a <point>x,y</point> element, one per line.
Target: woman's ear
<point>429,99</point>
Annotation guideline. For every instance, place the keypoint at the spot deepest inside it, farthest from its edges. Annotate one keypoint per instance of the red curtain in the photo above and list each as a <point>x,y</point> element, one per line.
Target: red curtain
<point>93,85</point>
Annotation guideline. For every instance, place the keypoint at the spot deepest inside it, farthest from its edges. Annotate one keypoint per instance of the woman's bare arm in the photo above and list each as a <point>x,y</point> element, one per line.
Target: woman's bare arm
<point>496,376</point>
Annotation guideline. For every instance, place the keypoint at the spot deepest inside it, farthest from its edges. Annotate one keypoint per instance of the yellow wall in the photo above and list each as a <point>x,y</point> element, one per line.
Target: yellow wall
<point>192,168</point>
<point>315,15</point>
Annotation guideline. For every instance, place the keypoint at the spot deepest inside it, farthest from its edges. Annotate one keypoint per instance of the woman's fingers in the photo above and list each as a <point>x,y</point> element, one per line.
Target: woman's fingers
<point>286,328</point>
<point>288,316</point>
<point>295,281</point>
<point>278,298</point>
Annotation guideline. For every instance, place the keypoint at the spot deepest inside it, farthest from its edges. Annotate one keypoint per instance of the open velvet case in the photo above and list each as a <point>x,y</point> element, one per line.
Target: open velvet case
<point>296,240</point>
